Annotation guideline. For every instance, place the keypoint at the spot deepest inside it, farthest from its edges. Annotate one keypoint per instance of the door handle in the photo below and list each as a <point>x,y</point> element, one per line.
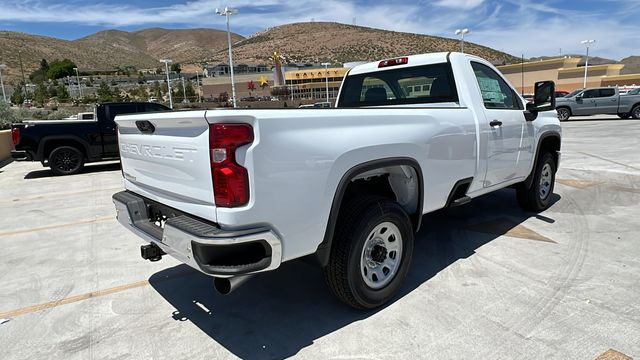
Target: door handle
<point>496,123</point>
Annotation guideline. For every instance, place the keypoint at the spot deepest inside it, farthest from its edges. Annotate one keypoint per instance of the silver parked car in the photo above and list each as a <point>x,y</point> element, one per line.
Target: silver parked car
<point>594,101</point>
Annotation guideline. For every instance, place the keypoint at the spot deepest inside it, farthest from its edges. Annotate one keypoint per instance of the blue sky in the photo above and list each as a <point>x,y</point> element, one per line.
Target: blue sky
<point>529,27</point>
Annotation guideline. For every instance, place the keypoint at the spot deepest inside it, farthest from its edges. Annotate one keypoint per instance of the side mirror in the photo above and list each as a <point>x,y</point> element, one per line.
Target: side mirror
<point>543,99</point>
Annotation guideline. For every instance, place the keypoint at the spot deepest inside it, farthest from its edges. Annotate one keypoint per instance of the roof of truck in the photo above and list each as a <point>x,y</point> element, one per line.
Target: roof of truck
<point>413,60</point>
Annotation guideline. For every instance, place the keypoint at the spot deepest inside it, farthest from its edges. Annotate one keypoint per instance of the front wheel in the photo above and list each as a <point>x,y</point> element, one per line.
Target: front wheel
<point>538,197</point>
<point>371,252</point>
<point>635,112</point>
<point>563,114</point>
<point>624,115</point>
<point>66,160</point>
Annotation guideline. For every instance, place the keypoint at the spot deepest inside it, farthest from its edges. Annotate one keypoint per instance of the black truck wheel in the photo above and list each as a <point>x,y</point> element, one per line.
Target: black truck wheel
<point>371,252</point>
<point>66,160</point>
<point>635,112</point>
<point>538,196</point>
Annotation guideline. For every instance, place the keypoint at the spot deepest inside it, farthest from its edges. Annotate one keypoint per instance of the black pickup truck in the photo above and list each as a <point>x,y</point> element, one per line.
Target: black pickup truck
<point>66,145</point>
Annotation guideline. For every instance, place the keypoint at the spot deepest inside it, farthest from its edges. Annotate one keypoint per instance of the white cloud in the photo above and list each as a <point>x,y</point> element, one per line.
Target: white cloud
<point>459,4</point>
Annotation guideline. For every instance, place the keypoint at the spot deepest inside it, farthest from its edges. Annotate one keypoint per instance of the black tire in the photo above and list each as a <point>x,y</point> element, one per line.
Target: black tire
<point>345,274</point>
<point>563,113</point>
<point>624,115</point>
<point>535,198</point>
<point>635,112</point>
<point>66,160</point>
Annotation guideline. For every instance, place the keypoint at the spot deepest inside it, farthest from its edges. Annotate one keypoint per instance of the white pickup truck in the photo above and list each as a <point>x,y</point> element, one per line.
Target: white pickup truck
<point>233,193</point>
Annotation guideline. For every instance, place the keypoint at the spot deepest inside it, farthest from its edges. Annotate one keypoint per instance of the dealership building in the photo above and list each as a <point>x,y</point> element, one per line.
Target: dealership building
<point>567,74</point>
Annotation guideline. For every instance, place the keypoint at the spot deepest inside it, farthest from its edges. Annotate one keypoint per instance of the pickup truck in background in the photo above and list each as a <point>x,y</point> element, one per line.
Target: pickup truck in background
<point>598,101</point>
<point>66,145</point>
<point>233,193</point>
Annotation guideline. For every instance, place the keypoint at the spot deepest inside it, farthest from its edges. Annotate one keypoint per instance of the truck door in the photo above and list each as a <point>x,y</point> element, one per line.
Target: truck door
<point>607,101</point>
<point>509,136</point>
<point>586,103</point>
<point>109,129</point>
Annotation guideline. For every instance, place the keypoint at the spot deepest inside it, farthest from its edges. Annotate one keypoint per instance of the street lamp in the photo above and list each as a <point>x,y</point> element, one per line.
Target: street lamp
<point>326,73</point>
<point>184,91</point>
<point>462,32</point>
<point>586,64</point>
<point>227,12</point>
<point>78,77</point>
<point>4,95</point>
<point>166,67</point>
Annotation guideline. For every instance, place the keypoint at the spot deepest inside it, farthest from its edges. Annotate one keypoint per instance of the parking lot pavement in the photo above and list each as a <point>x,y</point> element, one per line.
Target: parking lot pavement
<point>487,280</point>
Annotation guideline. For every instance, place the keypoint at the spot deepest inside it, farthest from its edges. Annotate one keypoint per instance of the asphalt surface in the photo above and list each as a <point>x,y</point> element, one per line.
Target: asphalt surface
<point>487,281</point>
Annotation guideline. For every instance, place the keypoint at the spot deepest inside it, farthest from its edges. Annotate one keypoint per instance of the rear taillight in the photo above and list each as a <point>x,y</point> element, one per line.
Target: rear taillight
<point>393,62</point>
<point>15,136</point>
<point>230,180</point>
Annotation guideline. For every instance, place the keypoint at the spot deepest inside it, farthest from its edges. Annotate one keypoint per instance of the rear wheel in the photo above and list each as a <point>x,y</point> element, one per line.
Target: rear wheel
<point>624,115</point>
<point>635,112</point>
<point>563,113</point>
<point>538,196</point>
<point>371,252</point>
<point>66,160</point>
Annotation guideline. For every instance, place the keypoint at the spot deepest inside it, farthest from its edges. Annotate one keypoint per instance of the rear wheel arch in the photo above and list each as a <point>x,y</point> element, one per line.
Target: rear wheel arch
<point>394,190</point>
<point>48,144</point>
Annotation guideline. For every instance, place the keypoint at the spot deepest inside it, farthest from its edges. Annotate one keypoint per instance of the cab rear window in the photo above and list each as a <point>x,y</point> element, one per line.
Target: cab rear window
<point>415,85</point>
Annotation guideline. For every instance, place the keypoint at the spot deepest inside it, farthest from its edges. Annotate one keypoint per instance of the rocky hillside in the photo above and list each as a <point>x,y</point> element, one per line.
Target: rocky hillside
<point>112,48</point>
<point>339,43</point>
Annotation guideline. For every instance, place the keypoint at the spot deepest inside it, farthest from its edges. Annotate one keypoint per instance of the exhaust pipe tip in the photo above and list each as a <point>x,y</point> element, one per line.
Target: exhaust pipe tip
<point>225,286</point>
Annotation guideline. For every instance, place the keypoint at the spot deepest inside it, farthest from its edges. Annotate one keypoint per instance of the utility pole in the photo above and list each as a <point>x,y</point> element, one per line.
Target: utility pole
<point>24,80</point>
<point>326,76</point>
<point>586,64</point>
<point>166,67</point>
<point>184,91</point>
<point>227,12</point>
<point>199,89</point>
<point>79,86</point>
<point>4,95</point>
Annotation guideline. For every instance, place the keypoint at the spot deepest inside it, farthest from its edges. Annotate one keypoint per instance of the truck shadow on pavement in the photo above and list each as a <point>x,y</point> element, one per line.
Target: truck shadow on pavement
<point>276,314</point>
<point>88,169</point>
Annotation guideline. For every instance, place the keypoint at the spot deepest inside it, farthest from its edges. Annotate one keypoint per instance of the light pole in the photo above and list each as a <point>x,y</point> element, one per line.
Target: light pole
<point>78,77</point>
<point>462,32</point>
<point>227,12</point>
<point>69,86</point>
<point>586,64</point>
<point>184,91</point>
<point>199,90</point>
<point>326,74</point>
<point>4,95</point>
<point>166,68</point>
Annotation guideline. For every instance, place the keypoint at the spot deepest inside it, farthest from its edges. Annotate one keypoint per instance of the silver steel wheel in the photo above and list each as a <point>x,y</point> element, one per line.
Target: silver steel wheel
<point>381,255</point>
<point>545,181</point>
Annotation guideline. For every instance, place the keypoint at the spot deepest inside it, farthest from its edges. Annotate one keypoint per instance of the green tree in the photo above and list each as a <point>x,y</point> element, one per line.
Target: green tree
<point>104,92</point>
<point>60,68</point>
<point>190,92</point>
<point>140,78</point>
<point>176,68</point>
<point>41,95</point>
<point>18,96</point>
<point>44,65</point>
<point>63,93</point>
<point>53,90</point>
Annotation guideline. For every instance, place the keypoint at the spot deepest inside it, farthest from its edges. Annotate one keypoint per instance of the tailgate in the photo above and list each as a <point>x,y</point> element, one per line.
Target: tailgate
<point>165,157</point>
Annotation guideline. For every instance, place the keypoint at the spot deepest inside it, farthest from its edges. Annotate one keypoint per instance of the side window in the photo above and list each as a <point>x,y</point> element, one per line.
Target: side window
<point>496,94</point>
<point>588,94</point>
<point>120,109</point>
<point>607,92</point>
<point>150,108</point>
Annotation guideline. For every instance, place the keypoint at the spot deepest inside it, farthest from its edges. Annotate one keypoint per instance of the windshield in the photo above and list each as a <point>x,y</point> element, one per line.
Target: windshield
<point>634,92</point>
<point>574,93</point>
